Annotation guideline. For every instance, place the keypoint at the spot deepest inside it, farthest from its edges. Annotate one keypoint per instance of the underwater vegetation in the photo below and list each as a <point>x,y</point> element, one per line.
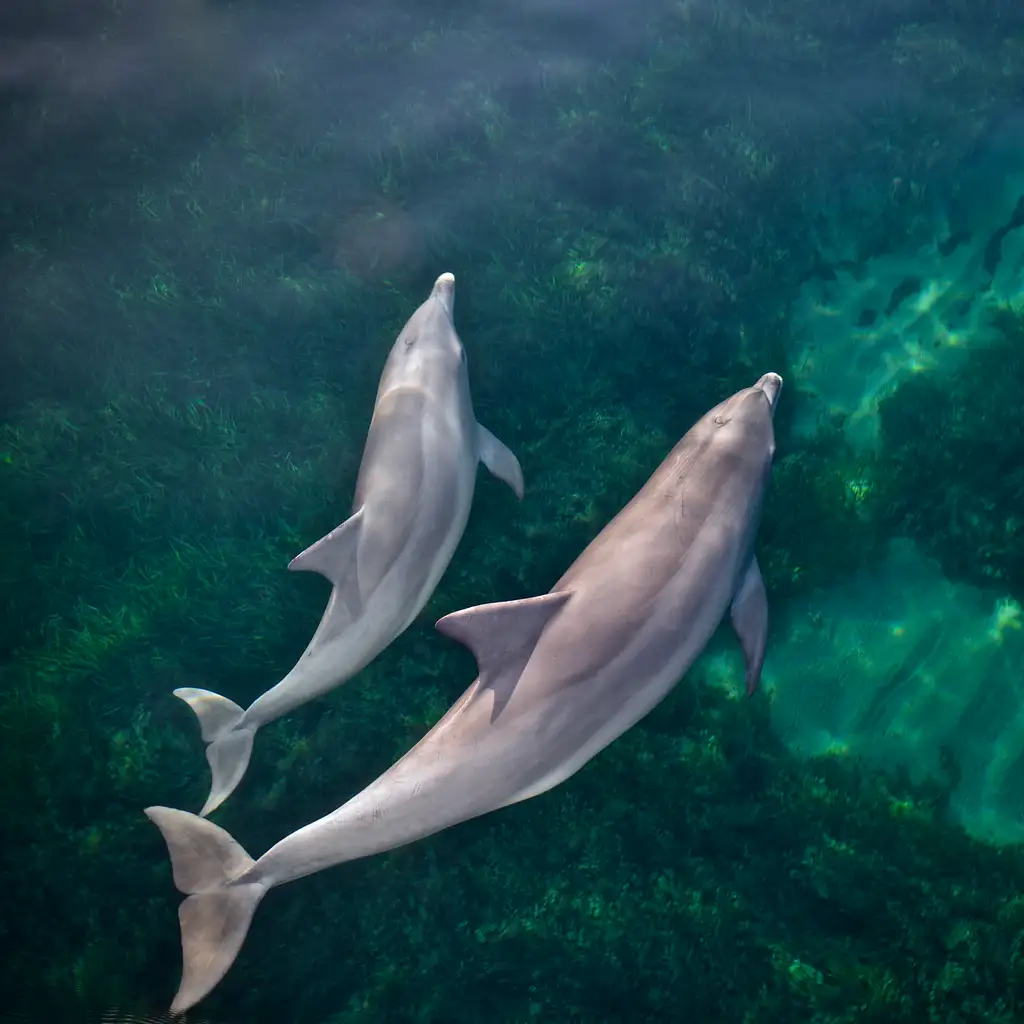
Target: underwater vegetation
<point>954,464</point>
<point>193,331</point>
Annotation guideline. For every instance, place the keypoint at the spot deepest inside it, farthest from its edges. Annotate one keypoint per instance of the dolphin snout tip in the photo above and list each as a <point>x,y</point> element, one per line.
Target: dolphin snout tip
<point>771,385</point>
<point>444,289</point>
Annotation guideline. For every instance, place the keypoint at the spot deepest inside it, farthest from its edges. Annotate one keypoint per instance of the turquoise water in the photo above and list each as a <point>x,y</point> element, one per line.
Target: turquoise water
<point>217,217</point>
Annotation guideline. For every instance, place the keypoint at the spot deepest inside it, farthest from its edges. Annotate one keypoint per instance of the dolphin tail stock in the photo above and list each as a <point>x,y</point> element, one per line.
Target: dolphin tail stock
<point>217,912</point>
<point>229,746</point>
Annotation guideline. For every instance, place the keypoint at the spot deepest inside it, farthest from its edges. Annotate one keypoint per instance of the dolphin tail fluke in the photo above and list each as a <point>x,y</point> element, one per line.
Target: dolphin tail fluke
<point>229,746</point>
<point>215,917</point>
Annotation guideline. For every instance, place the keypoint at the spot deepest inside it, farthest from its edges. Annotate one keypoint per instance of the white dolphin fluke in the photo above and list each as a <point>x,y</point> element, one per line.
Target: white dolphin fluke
<point>412,501</point>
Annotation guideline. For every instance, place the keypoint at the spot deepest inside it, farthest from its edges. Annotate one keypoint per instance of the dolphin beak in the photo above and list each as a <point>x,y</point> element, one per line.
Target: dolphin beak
<point>444,290</point>
<point>771,385</point>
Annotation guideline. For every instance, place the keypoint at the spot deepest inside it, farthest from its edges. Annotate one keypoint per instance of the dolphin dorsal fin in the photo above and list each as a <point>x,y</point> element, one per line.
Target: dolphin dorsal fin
<point>502,637</point>
<point>334,555</point>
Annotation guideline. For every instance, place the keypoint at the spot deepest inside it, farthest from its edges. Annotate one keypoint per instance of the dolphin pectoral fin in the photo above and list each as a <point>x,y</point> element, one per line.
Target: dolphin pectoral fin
<point>750,620</point>
<point>502,637</point>
<point>334,555</point>
<point>500,460</point>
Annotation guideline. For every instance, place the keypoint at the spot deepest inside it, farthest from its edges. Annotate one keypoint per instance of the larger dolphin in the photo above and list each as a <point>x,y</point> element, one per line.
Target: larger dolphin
<point>413,496</point>
<point>561,676</point>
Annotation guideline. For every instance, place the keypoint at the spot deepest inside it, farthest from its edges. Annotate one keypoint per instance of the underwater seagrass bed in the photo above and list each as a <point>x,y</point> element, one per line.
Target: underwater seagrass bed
<point>216,215</point>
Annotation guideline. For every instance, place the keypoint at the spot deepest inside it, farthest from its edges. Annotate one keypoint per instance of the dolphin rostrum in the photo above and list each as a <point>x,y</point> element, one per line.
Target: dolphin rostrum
<point>561,676</point>
<point>413,496</point>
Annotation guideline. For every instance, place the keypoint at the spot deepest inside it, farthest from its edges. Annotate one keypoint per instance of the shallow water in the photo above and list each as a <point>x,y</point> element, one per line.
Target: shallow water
<point>216,218</point>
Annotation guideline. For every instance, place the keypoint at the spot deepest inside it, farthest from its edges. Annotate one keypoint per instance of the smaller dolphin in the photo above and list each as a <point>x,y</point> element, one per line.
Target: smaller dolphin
<point>412,501</point>
<point>561,676</point>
